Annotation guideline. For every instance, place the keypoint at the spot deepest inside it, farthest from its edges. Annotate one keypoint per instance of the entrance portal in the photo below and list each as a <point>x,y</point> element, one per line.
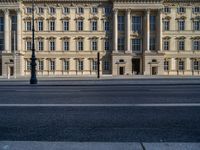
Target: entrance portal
<point>136,66</point>
<point>154,70</point>
<point>121,70</point>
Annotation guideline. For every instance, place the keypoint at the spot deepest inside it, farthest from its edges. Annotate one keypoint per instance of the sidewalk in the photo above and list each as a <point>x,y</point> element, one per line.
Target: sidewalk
<point>9,145</point>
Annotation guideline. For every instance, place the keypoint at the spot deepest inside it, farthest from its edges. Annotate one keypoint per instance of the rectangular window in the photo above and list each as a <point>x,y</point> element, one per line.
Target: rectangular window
<point>121,20</point>
<point>80,45</point>
<point>40,45</point>
<point>196,45</point>
<point>152,44</point>
<point>166,24</point>
<point>181,10</point>
<point>40,25</point>
<point>106,26</point>
<point>94,25</point>
<point>181,45</point>
<point>40,65</point>
<point>52,45</point>
<point>181,25</point>
<point>166,65</point>
<point>66,65</point>
<point>28,26</point>
<point>80,25</point>
<point>136,44</point>
<point>80,10</point>
<point>181,65</point>
<point>28,65</point>
<point>167,10</point>
<point>121,42</point>
<point>94,65</point>
<point>107,45</point>
<point>107,10</point>
<point>137,24</point>
<point>1,43</point>
<point>41,10</point>
<point>52,10</point>
<point>52,65</point>
<point>66,10</point>
<point>196,25</point>
<point>80,65</point>
<point>66,45</point>
<point>166,45</point>
<point>28,45</point>
<point>52,25</point>
<point>94,45</point>
<point>14,23</point>
<point>152,23</point>
<point>196,10</point>
<point>1,23</point>
<point>94,10</point>
<point>196,65</point>
<point>29,10</point>
<point>106,65</point>
<point>66,25</point>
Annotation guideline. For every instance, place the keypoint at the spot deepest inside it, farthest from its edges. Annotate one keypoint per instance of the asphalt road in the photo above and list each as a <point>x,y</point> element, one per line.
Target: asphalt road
<point>117,113</point>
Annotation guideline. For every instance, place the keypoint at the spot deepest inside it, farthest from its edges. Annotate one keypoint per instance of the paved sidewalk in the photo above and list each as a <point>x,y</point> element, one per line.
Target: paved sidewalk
<point>9,145</point>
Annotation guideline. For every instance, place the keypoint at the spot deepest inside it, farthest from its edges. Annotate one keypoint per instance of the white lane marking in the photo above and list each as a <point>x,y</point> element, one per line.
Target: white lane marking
<point>104,105</point>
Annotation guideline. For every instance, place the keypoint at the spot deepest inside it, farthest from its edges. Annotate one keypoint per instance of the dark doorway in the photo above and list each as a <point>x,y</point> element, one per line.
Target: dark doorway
<point>11,71</point>
<point>136,66</point>
<point>154,70</point>
<point>121,70</point>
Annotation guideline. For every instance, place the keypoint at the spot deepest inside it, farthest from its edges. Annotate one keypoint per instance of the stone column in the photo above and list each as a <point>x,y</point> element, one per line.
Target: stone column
<point>6,30</point>
<point>173,64</point>
<point>128,30</point>
<point>148,30</point>
<point>115,30</point>
<point>160,30</point>
<point>19,31</point>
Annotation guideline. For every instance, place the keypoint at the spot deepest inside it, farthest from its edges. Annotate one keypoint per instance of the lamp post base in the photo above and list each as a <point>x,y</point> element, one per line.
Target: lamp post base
<point>33,81</point>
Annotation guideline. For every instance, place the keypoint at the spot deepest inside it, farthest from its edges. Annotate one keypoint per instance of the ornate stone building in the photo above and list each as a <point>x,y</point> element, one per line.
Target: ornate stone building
<point>146,37</point>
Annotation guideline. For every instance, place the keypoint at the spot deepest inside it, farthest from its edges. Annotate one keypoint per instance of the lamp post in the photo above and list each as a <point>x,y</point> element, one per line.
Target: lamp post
<point>33,79</point>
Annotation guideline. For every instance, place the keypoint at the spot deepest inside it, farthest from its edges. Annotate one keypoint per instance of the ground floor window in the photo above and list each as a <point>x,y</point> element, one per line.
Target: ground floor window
<point>52,65</point>
<point>94,65</point>
<point>80,65</point>
<point>66,65</point>
<point>40,65</point>
<point>196,65</point>
<point>181,66</point>
<point>106,65</point>
<point>166,65</point>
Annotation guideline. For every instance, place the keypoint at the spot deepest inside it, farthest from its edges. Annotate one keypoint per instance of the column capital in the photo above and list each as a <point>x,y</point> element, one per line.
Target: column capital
<point>115,10</point>
<point>128,10</point>
<point>6,11</point>
<point>18,10</point>
<point>148,11</point>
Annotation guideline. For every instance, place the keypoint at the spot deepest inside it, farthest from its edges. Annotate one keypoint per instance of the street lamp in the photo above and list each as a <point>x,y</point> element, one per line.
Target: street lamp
<point>33,79</point>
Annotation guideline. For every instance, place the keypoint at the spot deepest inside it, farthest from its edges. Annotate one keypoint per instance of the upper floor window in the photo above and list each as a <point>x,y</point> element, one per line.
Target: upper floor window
<point>181,64</point>
<point>106,45</point>
<point>28,25</point>
<point>196,45</point>
<point>152,23</point>
<point>80,65</point>
<point>28,10</point>
<point>94,10</point>
<point>121,42</point>
<point>80,10</point>
<point>166,45</point>
<point>167,10</point>
<point>66,10</point>
<point>66,65</point>
<point>166,65</point>
<point>196,25</point>
<point>52,25</point>
<point>80,25</point>
<point>40,65</point>
<point>1,23</point>
<point>166,25</point>
<point>40,45</point>
<point>94,25</point>
<point>52,65</point>
<point>52,10</point>
<point>94,45</point>
<point>66,25</point>
<point>181,25</point>
<point>66,45</point>
<point>107,10</point>
<point>181,10</point>
<point>41,10</point>
<point>152,43</point>
<point>40,25</point>
<point>1,43</point>
<point>196,10</point>
<point>181,45</point>
<point>121,20</point>
<point>136,44</point>
<point>80,45</point>
<point>106,26</point>
<point>137,24</point>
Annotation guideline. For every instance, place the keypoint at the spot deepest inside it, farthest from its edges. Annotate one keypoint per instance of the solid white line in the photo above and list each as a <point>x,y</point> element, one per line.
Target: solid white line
<point>104,105</point>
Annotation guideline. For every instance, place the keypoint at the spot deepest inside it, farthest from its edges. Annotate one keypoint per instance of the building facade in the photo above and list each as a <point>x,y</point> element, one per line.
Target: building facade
<point>133,37</point>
